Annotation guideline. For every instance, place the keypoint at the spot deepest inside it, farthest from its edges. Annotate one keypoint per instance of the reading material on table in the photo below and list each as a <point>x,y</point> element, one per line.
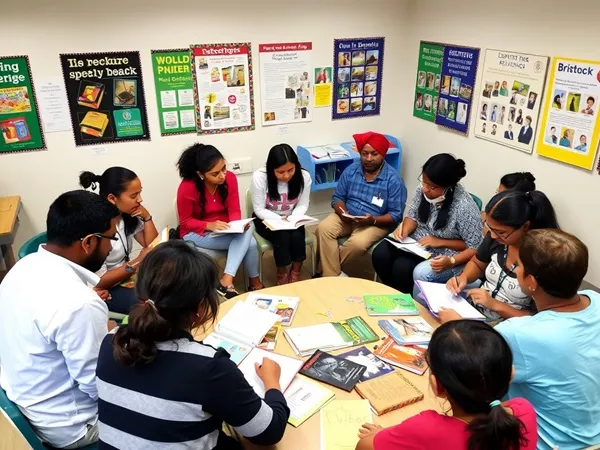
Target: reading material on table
<point>411,358</point>
<point>389,393</point>
<point>333,370</point>
<point>285,307</point>
<point>330,336</point>
<point>163,236</point>
<point>269,342</point>
<point>407,330</point>
<point>235,226</point>
<point>305,398</point>
<point>438,296</point>
<point>291,223</point>
<point>330,151</point>
<point>408,244</point>
<point>340,422</point>
<point>363,356</point>
<point>237,351</point>
<point>289,369</point>
<point>390,305</point>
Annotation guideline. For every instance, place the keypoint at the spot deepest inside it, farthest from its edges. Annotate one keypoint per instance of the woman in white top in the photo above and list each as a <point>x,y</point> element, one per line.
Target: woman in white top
<point>122,188</point>
<point>279,191</point>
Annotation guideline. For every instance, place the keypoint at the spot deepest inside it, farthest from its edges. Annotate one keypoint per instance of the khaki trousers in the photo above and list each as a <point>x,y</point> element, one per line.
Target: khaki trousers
<point>360,239</point>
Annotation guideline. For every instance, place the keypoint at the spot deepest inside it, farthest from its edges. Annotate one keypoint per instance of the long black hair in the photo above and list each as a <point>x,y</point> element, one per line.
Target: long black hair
<point>519,181</point>
<point>445,171</point>
<point>113,181</point>
<point>472,362</point>
<point>201,158</point>
<point>513,208</point>
<point>278,156</point>
<point>174,280</point>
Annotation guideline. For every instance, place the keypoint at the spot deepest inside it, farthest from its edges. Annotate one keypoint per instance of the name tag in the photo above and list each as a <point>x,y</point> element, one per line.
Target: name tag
<point>377,201</point>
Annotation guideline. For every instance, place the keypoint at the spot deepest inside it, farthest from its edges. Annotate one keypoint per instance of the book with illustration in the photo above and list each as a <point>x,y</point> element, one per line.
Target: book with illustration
<point>407,330</point>
<point>334,370</point>
<point>363,356</point>
<point>407,357</point>
<point>305,398</point>
<point>90,94</point>
<point>270,340</point>
<point>94,124</point>
<point>390,305</point>
<point>388,393</point>
<point>283,306</point>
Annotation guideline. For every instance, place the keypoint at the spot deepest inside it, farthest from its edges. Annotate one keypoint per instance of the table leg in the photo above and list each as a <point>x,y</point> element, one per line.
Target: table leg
<point>9,256</point>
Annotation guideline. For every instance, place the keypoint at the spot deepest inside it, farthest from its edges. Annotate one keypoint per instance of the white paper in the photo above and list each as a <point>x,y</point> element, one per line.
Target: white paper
<point>170,120</point>
<point>303,396</point>
<point>53,105</point>
<point>282,129</point>
<point>408,244</point>
<point>291,223</point>
<point>315,336</point>
<point>168,99</point>
<point>289,369</point>
<point>235,226</point>
<point>188,118</point>
<point>285,307</point>
<point>246,324</point>
<point>329,151</point>
<point>438,296</point>
<point>98,150</point>
<point>186,97</point>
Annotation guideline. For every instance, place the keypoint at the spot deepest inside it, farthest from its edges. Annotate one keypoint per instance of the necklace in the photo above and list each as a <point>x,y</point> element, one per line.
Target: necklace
<point>213,192</point>
<point>561,306</point>
<point>375,175</point>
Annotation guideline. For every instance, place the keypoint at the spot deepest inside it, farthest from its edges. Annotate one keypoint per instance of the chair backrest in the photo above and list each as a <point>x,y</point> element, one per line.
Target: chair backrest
<point>20,421</point>
<point>478,201</point>
<point>31,246</point>
<point>249,207</point>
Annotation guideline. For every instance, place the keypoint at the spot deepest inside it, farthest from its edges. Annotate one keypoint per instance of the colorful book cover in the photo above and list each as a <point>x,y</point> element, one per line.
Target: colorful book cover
<point>407,330</point>
<point>94,124</point>
<point>285,307</point>
<point>355,331</point>
<point>363,356</point>
<point>391,305</point>
<point>237,352</point>
<point>91,94</point>
<point>333,370</point>
<point>270,340</point>
<point>410,358</point>
<point>389,393</point>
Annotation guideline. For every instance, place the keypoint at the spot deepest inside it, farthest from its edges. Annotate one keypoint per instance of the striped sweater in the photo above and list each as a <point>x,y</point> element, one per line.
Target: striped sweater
<point>181,399</point>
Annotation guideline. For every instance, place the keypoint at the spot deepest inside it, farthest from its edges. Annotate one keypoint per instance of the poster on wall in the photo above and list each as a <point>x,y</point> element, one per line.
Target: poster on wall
<point>20,124</point>
<point>570,129</point>
<point>323,83</point>
<point>459,70</point>
<point>428,82</point>
<point>106,97</point>
<point>285,72</point>
<point>174,91</point>
<point>358,71</point>
<point>223,87</point>
<point>510,98</point>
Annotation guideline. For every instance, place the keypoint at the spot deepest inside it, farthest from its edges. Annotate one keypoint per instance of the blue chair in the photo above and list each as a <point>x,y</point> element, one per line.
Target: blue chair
<point>478,201</point>
<point>31,246</point>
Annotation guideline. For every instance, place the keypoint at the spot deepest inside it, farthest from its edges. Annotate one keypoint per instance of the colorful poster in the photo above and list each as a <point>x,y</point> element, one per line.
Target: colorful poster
<point>358,71</point>
<point>323,83</point>
<point>223,87</point>
<point>174,91</point>
<point>510,98</point>
<point>427,88</point>
<point>570,129</point>
<point>459,70</point>
<point>19,116</point>
<point>285,82</point>
<point>106,97</point>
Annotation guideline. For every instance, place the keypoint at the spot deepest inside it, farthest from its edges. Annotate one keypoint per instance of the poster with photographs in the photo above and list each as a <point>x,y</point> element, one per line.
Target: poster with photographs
<point>19,116</point>
<point>323,82</point>
<point>570,128</point>
<point>459,70</point>
<point>510,98</point>
<point>357,72</point>
<point>285,80</point>
<point>223,87</point>
<point>106,97</point>
<point>427,88</point>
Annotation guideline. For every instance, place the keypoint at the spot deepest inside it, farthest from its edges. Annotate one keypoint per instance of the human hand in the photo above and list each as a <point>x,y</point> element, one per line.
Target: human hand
<point>368,429</point>
<point>111,324</point>
<point>399,233</point>
<point>448,315</point>
<point>269,372</point>
<point>456,284</point>
<point>440,263</point>
<point>218,225</point>
<point>482,297</point>
<point>103,294</point>
<point>340,212</point>
<point>141,212</point>
<point>365,221</point>
<point>430,241</point>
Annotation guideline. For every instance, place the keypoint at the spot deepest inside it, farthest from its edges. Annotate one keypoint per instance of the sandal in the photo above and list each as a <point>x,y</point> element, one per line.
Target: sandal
<point>228,292</point>
<point>252,289</point>
<point>295,276</point>
<point>282,279</point>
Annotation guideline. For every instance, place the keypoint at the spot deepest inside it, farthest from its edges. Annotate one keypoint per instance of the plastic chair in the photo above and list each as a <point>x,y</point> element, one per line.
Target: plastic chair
<point>478,201</point>
<point>264,245</point>
<point>32,245</point>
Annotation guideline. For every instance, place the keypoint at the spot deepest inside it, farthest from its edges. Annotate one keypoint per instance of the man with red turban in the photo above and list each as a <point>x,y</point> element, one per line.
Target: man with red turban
<point>368,202</point>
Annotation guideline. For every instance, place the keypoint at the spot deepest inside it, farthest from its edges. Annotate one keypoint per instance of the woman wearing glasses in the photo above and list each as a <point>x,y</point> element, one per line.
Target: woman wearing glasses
<point>509,215</point>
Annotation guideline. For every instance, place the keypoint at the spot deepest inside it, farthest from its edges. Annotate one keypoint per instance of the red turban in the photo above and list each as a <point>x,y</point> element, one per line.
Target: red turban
<point>378,141</point>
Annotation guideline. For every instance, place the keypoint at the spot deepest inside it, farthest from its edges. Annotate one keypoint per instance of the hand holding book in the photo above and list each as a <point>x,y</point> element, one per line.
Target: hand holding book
<point>269,372</point>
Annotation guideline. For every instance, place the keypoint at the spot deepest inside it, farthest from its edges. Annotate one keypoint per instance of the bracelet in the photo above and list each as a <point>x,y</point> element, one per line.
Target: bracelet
<point>374,221</point>
<point>149,219</point>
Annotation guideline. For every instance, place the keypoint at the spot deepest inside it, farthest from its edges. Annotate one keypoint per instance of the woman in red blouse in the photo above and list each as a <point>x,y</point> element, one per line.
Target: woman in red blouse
<point>207,199</point>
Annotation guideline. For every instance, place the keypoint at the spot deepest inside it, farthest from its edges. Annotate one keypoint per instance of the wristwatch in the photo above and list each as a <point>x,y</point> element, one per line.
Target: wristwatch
<point>453,261</point>
<point>129,269</point>
<point>374,221</point>
<point>147,220</point>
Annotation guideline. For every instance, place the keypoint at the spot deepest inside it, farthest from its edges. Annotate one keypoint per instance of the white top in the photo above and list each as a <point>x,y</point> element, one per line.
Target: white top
<point>120,248</point>
<point>265,208</point>
<point>52,326</point>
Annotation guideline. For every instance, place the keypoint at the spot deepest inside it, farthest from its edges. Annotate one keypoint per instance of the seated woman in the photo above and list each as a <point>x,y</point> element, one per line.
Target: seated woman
<point>159,388</point>
<point>556,355</point>
<point>281,190</point>
<point>510,214</point>
<point>442,217</point>
<point>122,188</point>
<point>207,199</point>
<point>470,368</point>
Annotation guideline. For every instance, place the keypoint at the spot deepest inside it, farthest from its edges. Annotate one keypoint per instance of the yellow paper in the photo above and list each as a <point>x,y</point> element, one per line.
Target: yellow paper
<point>340,422</point>
<point>323,95</point>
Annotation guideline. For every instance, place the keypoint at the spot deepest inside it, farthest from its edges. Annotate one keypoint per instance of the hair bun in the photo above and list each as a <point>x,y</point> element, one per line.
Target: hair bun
<point>461,169</point>
<point>529,176</point>
<point>87,179</point>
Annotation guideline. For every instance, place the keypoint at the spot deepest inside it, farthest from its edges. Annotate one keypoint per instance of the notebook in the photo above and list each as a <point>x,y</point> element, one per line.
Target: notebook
<point>235,226</point>
<point>285,307</point>
<point>408,244</point>
<point>375,366</point>
<point>438,296</point>
<point>411,358</point>
<point>340,422</point>
<point>291,223</point>
<point>389,393</point>
<point>390,305</point>
<point>339,372</point>
<point>407,330</point>
<point>305,398</point>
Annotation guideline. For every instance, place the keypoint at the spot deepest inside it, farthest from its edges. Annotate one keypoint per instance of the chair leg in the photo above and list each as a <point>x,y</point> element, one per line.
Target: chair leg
<point>313,257</point>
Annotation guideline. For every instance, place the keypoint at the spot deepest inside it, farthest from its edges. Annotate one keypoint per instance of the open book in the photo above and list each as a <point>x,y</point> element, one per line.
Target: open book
<point>285,307</point>
<point>305,398</point>
<point>350,216</point>
<point>163,236</point>
<point>291,223</point>
<point>438,296</point>
<point>235,226</point>
<point>408,244</point>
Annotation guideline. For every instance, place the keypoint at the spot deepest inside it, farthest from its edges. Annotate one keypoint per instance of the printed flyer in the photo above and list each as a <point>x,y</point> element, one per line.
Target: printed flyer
<point>570,129</point>
<point>323,83</point>
<point>358,71</point>
<point>429,74</point>
<point>285,82</point>
<point>459,70</point>
<point>174,91</point>
<point>19,116</point>
<point>510,98</point>
<point>106,97</point>
<point>223,87</point>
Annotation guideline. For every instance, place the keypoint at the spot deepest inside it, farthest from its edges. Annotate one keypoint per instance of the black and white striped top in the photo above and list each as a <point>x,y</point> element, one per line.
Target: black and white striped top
<point>181,399</point>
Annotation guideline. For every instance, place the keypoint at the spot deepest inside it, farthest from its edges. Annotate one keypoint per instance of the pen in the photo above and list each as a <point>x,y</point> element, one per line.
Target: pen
<point>456,279</point>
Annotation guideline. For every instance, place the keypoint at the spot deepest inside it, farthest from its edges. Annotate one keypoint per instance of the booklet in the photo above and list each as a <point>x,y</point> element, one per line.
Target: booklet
<point>340,422</point>
<point>163,236</point>
<point>363,356</point>
<point>389,393</point>
<point>291,223</point>
<point>235,226</point>
<point>333,370</point>
<point>237,352</point>
<point>305,398</point>
<point>407,330</point>
<point>285,307</point>
<point>411,358</point>
<point>438,296</point>
<point>390,305</point>
<point>408,244</point>
<point>269,342</point>
<point>330,151</point>
<point>350,216</point>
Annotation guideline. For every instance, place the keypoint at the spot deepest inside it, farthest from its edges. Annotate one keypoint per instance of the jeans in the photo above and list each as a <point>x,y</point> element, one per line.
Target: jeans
<point>240,247</point>
<point>424,272</point>
<point>123,299</point>
<point>288,245</point>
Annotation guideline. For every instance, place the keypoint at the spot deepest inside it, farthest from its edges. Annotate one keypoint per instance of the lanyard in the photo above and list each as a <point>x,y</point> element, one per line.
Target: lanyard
<point>125,247</point>
<point>504,274</point>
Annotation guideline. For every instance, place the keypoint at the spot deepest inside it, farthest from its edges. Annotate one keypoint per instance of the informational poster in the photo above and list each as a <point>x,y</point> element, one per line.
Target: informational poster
<point>174,91</point>
<point>570,129</point>
<point>358,71</point>
<point>53,105</point>
<point>459,70</point>
<point>510,98</point>
<point>285,73</point>
<point>223,87</point>
<point>19,116</point>
<point>106,97</point>
<point>429,74</point>
<point>323,82</point>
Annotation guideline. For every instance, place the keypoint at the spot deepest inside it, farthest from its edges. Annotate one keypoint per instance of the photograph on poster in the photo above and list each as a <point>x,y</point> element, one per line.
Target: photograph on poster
<point>427,86</point>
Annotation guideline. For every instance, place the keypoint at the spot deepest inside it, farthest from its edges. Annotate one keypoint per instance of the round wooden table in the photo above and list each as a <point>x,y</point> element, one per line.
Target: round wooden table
<point>318,296</point>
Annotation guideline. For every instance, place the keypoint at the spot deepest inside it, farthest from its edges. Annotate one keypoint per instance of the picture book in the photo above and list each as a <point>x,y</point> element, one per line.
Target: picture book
<point>290,223</point>
<point>91,94</point>
<point>340,421</point>
<point>411,358</point>
<point>389,393</point>
<point>407,330</point>
<point>285,307</point>
<point>438,296</point>
<point>333,370</point>
<point>305,398</point>
<point>235,226</point>
<point>94,124</point>
<point>330,336</point>
<point>390,305</point>
<point>237,352</point>
<point>270,340</point>
<point>408,244</point>
<point>363,356</point>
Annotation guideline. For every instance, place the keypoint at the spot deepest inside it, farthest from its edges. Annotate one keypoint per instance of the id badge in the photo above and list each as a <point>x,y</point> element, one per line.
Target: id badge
<point>377,201</point>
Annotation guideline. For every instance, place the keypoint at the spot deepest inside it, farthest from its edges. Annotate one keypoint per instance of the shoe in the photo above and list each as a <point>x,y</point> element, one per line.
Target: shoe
<point>342,274</point>
<point>252,289</point>
<point>317,275</point>
<point>295,276</point>
<point>228,292</point>
<point>282,279</point>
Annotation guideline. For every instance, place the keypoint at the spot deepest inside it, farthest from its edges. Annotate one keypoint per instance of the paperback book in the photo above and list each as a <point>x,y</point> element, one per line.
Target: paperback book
<point>375,367</point>
<point>437,296</point>
<point>407,330</point>
<point>411,358</point>
<point>285,307</point>
<point>290,223</point>
<point>389,393</point>
<point>333,370</point>
<point>305,398</point>
<point>390,305</point>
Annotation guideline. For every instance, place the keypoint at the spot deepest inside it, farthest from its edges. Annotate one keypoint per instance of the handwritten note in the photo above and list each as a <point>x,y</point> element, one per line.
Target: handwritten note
<point>340,422</point>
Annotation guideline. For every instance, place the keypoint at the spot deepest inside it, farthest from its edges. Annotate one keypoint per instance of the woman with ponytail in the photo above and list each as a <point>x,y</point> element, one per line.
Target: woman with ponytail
<point>470,368</point>
<point>122,188</point>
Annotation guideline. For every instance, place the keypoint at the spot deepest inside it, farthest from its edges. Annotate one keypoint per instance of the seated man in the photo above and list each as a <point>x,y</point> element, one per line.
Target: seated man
<point>556,353</point>
<point>371,191</point>
<point>52,322</point>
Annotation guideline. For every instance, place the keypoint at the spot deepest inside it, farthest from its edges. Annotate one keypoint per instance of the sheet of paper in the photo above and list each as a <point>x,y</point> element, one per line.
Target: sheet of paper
<point>304,398</point>
<point>246,323</point>
<point>340,422</point>
<point>410,245</point>
<point>235,226</point>
<point>289,369</point>
<point>53,105</point>
<point>237,351</point>
<point>438,296</point>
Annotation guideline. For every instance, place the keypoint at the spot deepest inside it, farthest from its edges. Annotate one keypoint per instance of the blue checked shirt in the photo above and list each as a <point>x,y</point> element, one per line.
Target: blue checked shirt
<point>362,198</point>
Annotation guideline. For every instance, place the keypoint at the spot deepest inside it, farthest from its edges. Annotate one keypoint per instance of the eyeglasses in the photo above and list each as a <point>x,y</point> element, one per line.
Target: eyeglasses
<point>100,236</point>
<point>431,187</point>
<point>500,234</point>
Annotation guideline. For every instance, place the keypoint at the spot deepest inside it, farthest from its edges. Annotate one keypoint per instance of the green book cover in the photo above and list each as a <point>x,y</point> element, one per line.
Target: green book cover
<point>355,330</point>
<point>391,305</point>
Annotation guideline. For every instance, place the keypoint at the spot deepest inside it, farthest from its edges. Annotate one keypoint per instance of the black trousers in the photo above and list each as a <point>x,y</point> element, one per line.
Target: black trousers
<point>395,267</point>
<point>288,245</point>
